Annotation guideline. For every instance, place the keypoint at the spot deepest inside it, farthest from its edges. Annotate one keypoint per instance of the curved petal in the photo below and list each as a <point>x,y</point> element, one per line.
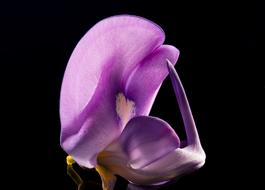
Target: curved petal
<point>101,61</point>
<point>145,140</point>
<point>172,165</point>
<point>178,162</point>
<point>145,81</point>
<point>190,127</point>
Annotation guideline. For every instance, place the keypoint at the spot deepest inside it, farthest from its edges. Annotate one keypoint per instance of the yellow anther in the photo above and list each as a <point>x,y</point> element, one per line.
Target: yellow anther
<point>71,171</point>
<point>69,160</point>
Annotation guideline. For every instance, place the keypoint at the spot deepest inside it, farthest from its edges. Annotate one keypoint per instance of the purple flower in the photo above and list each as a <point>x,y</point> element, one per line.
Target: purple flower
<point>109,86</point>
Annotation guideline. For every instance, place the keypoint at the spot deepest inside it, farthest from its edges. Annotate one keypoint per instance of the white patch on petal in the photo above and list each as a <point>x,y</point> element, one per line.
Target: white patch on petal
<point>125,108</point>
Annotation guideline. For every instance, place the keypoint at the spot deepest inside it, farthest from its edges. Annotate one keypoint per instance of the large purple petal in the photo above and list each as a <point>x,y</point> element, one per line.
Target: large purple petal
<point>148,152</point>
<point>144,83</point>
<point>146,139</point>
<point>96,71</point>
<point>143,141</point>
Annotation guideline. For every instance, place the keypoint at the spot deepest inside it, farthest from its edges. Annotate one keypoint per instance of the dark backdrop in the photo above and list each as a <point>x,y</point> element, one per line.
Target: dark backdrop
<point>217,65</point>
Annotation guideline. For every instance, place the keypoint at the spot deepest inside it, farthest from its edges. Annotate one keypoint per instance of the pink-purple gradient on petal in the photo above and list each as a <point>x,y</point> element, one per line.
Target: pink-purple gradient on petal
<point>122,61</point>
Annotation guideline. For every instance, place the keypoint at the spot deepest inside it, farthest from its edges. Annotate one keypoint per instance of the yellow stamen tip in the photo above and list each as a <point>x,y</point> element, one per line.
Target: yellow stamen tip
<point>69,160</point>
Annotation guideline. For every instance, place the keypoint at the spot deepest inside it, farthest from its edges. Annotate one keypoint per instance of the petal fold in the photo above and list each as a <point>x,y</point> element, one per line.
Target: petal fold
<point>144,82</point>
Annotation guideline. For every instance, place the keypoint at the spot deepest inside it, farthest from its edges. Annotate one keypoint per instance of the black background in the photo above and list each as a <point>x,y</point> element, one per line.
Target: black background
<point>218,63</point>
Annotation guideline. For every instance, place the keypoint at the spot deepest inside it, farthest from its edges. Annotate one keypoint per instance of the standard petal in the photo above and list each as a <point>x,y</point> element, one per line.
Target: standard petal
<point>144,82</point>
<point>99,125</point>
<point>102,59</point>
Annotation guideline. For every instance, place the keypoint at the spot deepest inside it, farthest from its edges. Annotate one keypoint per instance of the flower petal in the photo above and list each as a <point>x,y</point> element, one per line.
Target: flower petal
<point>144,157</point>
<point>190,127</point>
<point>95,73</point>
<point>144,83</point>
<point>119,160</point>
<point>143,141</point>
<point>146,139</point>
<point>178,162</point>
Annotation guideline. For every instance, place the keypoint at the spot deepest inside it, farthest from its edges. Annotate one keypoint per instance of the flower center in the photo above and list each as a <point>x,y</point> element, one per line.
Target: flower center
<point>125,108</point>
